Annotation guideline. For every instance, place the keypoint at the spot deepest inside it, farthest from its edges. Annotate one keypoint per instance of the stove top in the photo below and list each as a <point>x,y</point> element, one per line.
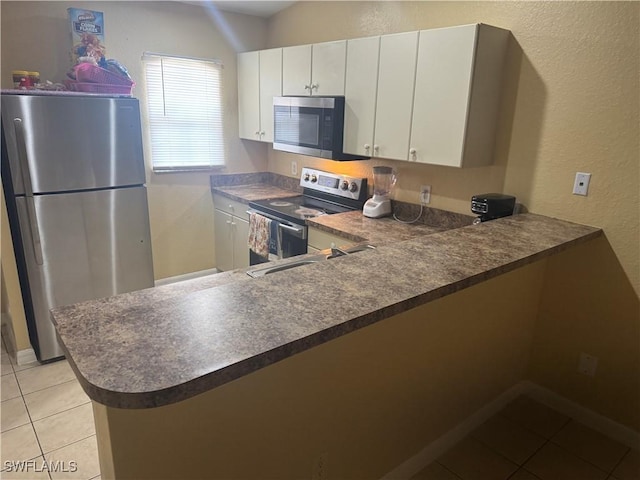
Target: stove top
<point>324,194</point>
<point>297,209</point>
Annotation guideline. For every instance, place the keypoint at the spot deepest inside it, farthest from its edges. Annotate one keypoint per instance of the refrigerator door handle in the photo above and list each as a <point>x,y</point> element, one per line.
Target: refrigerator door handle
<point>28,190</point>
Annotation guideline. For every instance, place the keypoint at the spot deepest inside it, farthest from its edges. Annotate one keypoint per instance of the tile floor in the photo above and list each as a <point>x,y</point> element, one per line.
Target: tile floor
<point>529,441</point>
<point>47,420</point>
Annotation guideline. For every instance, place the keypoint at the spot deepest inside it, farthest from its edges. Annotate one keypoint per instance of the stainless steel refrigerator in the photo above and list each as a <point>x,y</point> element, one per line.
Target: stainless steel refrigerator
<point>73,177</point>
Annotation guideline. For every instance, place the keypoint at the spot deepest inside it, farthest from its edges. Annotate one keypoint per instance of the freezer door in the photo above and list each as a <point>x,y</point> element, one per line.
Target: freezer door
<point>59,143</point>
<point>94,244</point>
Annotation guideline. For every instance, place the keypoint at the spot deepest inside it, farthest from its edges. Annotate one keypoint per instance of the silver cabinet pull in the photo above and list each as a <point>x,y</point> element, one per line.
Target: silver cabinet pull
<point>28,190</point>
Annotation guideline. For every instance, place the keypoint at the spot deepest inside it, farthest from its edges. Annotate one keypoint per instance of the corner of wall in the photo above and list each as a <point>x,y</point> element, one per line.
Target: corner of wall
<point>589,305</point>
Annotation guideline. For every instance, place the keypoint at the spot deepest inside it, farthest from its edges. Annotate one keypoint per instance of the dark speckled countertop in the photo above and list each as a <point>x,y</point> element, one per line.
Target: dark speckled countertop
<point>250,193</point>
<point>377,231</point>
<point>163,345</point>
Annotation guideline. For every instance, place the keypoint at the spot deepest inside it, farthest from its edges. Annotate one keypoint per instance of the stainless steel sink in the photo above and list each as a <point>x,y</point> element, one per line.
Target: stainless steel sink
<point>262,270</point>
<point>360,248</point>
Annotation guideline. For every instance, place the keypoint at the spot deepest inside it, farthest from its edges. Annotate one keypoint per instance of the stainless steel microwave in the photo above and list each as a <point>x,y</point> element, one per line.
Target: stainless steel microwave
<point>310,126</point>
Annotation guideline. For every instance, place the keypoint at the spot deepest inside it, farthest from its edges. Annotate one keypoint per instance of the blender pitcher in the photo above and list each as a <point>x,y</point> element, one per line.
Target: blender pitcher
<point>384,178</point>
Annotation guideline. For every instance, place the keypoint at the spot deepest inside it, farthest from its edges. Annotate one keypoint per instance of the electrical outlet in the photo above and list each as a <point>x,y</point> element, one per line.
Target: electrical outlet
<point>320,467</point>
<point>581,183</point>
<point>425,194</point>
<point>587,364</point>
<point>294,167</point>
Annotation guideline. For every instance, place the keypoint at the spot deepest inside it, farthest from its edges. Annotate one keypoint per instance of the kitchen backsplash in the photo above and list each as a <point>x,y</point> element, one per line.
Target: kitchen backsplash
<point>430,216</point>
<point>275,179</point>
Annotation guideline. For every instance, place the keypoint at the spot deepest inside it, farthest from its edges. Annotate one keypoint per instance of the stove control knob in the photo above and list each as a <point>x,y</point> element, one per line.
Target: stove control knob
<point>306,177</point>
<point>353,187</point>
<point>314,179</point>
<point>344,185</point>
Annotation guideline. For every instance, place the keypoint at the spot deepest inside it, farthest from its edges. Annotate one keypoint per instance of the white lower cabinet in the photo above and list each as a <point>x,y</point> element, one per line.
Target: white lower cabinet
<point>320,240</point>
<point>231,226</point>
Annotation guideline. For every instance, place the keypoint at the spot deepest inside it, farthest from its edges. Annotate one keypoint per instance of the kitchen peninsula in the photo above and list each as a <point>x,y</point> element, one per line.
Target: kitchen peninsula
<point>232,377</point>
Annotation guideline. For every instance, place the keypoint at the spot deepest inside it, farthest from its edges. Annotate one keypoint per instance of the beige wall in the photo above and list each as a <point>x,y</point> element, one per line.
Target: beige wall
<point>368,400</point>
<point>570,103</point>
<point>180,204</point>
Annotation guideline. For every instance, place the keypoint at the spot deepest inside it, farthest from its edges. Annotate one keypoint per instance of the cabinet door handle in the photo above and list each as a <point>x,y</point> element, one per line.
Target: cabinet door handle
<point>376,148</point>
<point>228,222</point>
<point>257,133</point>
<point>315,85</point>
<point>261,133</point>
<point>307,87</point>
<point>413,153</point>
<point>367,146</point>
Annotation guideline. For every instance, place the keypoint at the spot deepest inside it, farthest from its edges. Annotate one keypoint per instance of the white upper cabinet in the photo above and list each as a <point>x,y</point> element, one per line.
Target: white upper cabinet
<point>259,80</point>
<point>249,95</point>
<point>396,76</point>
<point>296,70</point>
<point>270,86</point>
<point>458,82</point>
<point>328,68</point>
<point>361,86</point>
<point>317,69</point>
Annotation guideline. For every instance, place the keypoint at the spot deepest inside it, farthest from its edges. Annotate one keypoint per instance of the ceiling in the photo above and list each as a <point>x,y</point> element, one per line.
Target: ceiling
<point>259,8</point>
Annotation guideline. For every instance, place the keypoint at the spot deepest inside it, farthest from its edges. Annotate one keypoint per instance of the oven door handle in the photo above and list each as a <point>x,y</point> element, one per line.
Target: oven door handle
<point>297,231</point>
<point>300,232</point>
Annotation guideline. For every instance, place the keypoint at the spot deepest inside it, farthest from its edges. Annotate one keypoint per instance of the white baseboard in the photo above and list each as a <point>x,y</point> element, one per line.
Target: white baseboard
<point>602,424</point>
<point>26,356</point>
<point>435,449</point>
<point>186,276</point>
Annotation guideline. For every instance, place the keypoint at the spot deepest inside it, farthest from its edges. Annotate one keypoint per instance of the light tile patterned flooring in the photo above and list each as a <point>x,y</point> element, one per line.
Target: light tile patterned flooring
<point>529,441</point>
<point>47,421</point>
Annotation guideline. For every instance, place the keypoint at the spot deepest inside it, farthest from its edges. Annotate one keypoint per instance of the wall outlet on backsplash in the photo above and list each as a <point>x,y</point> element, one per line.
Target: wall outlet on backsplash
<point>425,194</point>
<point>294,167</point>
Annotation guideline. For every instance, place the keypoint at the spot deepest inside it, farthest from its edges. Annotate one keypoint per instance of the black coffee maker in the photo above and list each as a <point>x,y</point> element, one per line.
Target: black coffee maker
<point>489,206</point>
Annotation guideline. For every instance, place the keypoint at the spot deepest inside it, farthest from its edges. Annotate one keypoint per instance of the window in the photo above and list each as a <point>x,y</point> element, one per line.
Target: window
<point>184,100</point>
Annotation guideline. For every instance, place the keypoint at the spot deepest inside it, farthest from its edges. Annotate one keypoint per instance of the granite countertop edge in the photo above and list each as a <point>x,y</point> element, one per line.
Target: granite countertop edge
<point>560,236</point>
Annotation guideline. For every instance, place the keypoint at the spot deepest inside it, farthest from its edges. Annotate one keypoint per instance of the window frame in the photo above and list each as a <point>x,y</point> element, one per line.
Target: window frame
<point>162,126</point>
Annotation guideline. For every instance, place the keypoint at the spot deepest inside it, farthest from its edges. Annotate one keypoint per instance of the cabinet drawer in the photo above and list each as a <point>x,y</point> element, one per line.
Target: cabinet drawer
<point>321,240</point>
<point>232,207</point>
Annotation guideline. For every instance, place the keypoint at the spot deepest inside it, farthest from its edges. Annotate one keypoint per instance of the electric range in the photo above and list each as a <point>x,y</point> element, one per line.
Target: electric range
<point>324,193</point>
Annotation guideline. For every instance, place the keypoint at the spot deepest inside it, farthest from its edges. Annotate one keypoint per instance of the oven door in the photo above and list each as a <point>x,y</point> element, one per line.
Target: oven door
<point>293,240</point>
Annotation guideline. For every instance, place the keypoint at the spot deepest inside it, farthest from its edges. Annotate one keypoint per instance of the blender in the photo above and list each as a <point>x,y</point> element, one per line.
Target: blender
<point>384,178</point>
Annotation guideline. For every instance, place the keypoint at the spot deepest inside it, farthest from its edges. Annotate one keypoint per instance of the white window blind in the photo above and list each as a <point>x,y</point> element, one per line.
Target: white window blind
<point>184,99</point>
